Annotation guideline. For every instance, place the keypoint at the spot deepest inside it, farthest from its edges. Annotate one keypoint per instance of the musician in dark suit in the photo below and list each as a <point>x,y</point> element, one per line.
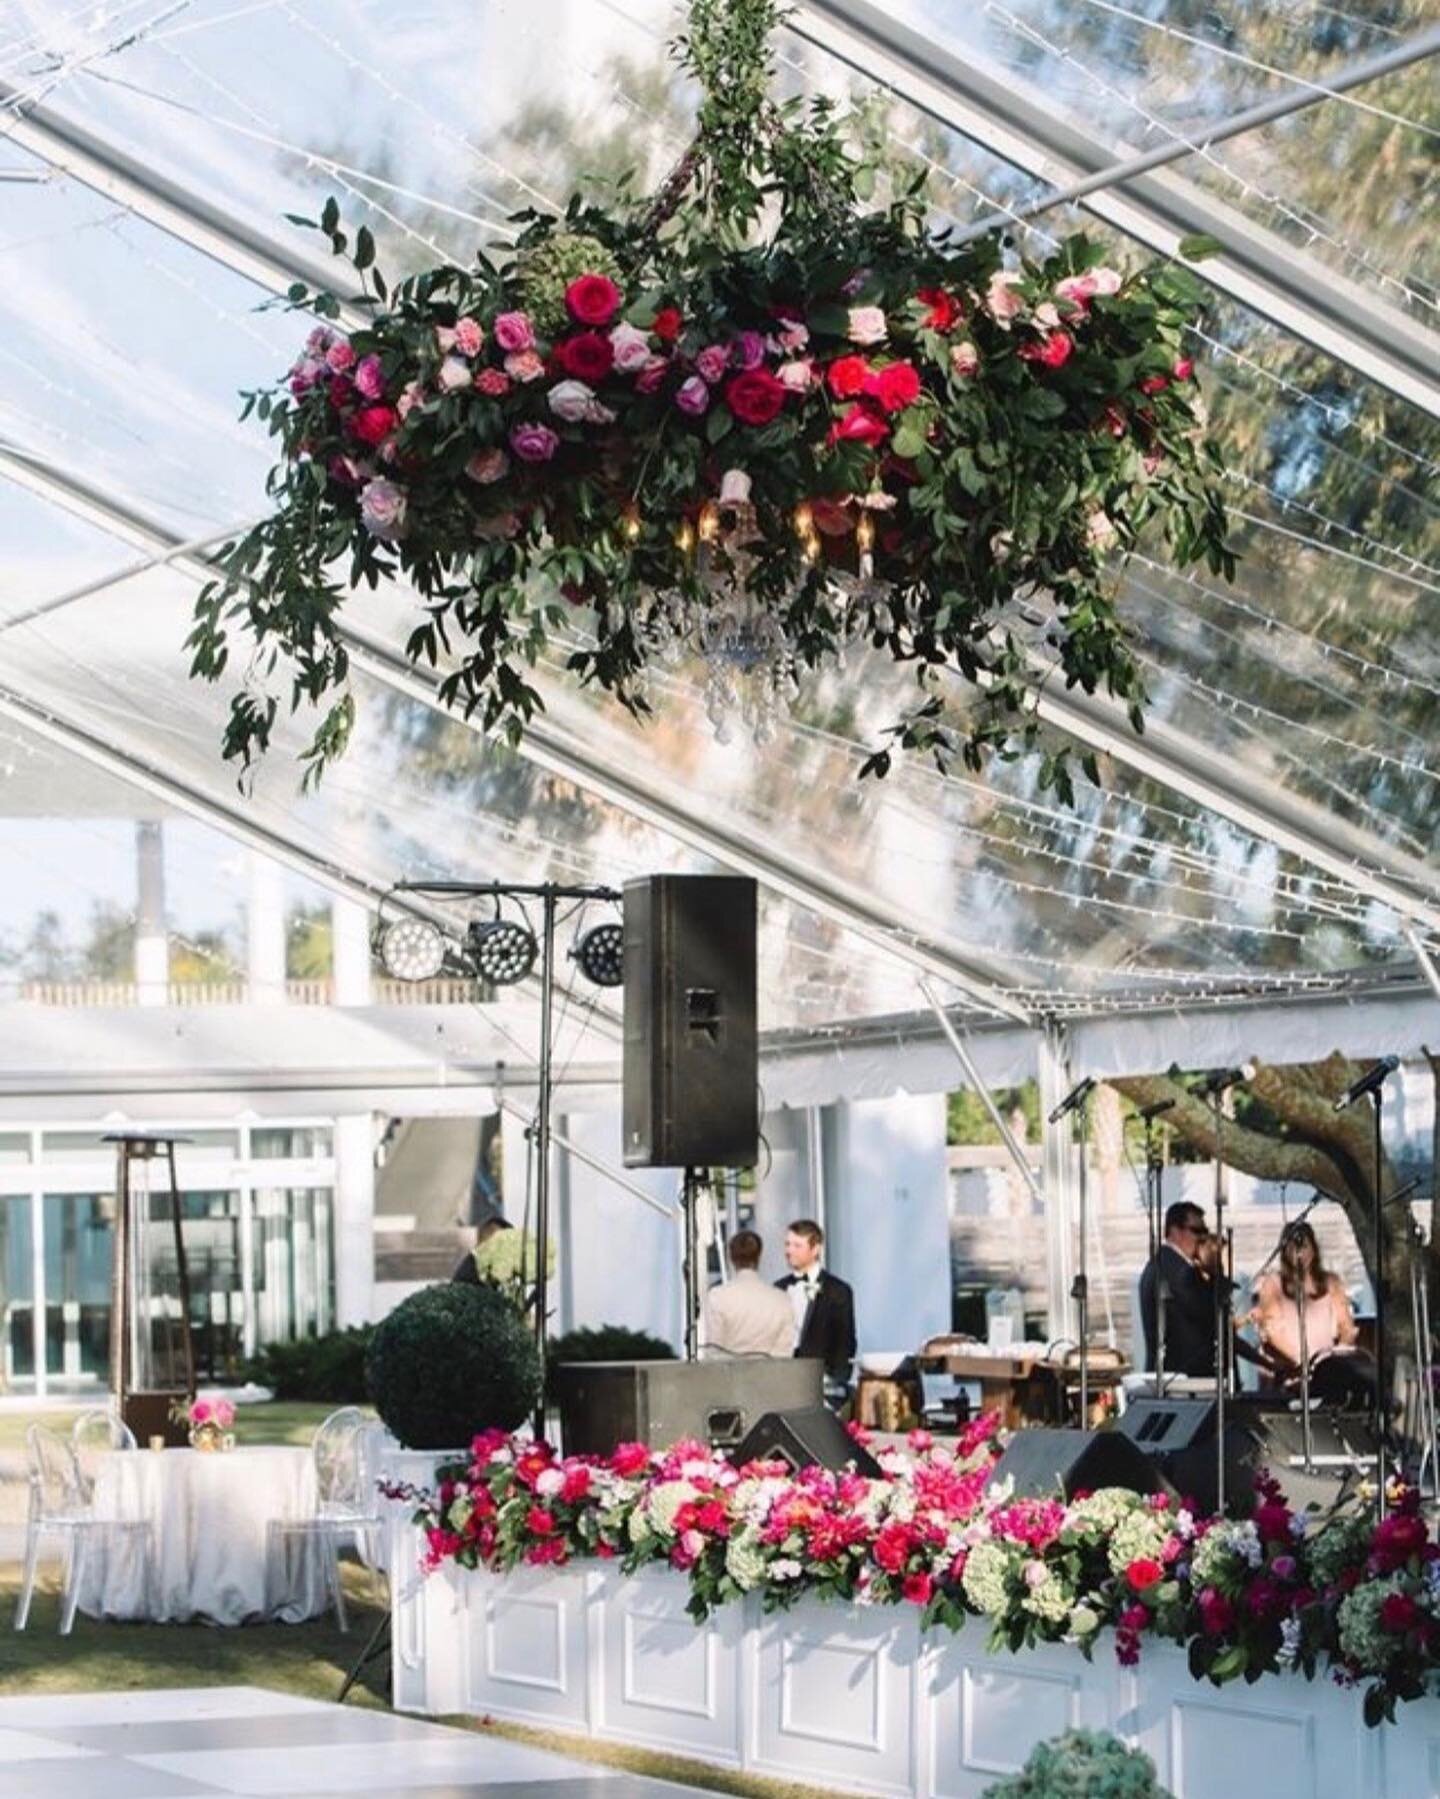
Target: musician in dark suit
<point>1189,1297</point>
<point>823,1305</point>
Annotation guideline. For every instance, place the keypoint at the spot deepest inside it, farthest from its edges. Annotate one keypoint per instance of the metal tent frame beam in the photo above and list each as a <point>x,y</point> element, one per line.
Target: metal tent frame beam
<point>1257,267</point>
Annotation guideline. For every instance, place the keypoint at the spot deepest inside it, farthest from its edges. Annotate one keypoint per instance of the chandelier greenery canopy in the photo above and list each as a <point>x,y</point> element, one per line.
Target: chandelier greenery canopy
<point>755,418</point>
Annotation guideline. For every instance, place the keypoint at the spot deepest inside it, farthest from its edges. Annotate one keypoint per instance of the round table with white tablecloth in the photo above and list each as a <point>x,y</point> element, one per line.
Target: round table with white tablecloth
<point>210,1514</point>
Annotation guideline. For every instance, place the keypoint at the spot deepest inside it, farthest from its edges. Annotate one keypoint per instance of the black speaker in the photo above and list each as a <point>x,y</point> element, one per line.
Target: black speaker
<point>812,1438</point>
<point>1043,1464</point>
<point>1164,1426</point>
<point>663,1403</point>
<point>691,1048</point>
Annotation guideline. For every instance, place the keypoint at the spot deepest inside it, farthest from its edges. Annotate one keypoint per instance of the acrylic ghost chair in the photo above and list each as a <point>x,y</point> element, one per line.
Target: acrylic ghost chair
<point>346,1509</point>
<point>61,1508</point>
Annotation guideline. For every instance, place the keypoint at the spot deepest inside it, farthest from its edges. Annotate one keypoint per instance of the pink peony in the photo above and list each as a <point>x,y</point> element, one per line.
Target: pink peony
<point>382,510</point>
<point>513,331</point>
<point>539,1522</point>
<point>340,356</point>
<point>867,325</point>
<point>524,365</point>
<point>712,363</point>
<point>201,1412</point>
<point>629,1459</point>
<point>693,396</point>
<point>469,337</point>
<point>534,443</point>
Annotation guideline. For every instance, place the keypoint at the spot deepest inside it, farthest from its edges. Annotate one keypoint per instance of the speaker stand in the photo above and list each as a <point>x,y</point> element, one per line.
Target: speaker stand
<point>695,1179</point>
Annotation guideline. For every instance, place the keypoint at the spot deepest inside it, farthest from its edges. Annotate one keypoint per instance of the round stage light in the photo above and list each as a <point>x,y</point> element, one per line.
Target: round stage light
<point>601,955</point>
<point>503,950</point>
<point>412,949</point>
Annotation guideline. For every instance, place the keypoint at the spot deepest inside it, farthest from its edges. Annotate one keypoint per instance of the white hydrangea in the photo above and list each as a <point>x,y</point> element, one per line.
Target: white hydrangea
<point>1141,1536</point>
<point>986,1578</point>
<point>1048,1598</point>
<point>1103,1512</point>
<point>665,1501</point>
<point>638,1527</point>
<point>786,1569</point>
<point>745,1560</point>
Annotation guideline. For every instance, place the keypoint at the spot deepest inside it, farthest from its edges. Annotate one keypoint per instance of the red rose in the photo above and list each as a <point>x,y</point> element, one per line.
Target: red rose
<point>860,425</point>
<point>892,1547</point>
<point>539,1522</point>
<point>943,311</point>
<point>918,1588</point>
<point>1053,349</point>
<point>1397,1538</point>
<point>577,1485</point>
<point>1144,1573</point>
<point>896,386</point>
<point>755,397</point>
<point>1399,1613</point>
<point>593,299</point>
<point>587,357</point>
<point>629,1459</point>
<point>1154,384</point>
<point>1183,369</point>
<point>373,424</point>
<point>846,376</point>
<point>668,324</point>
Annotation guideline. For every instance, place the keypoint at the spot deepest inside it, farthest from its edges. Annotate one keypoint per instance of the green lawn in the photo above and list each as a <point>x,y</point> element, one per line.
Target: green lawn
<point>279,1421</point>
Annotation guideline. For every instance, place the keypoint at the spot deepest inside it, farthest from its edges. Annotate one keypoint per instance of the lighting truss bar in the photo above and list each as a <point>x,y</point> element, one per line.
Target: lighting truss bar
<point>1257,267</point>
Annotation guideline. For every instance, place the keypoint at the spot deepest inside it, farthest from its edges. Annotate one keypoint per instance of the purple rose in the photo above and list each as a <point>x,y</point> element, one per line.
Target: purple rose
<point>749,350</point>
<point>304,375</point>
<point>693,396</point>
<point>712,363</point>
<point>369,378</point>
<point>382,509</point>
<point>534,443</point>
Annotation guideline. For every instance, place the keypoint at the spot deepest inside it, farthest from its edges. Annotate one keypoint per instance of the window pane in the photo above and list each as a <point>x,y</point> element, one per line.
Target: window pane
<point>273,1142</point>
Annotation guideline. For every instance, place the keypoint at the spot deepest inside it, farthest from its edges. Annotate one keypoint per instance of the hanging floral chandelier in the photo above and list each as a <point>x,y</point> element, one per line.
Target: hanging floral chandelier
<point>751,421</point>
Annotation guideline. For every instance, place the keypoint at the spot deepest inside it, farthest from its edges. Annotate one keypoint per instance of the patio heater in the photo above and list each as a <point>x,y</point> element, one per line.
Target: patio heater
<point>152,1350</point>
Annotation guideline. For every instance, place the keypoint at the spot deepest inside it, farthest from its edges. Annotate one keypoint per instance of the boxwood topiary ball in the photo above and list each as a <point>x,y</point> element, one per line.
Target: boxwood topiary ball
<point>450,1361</point>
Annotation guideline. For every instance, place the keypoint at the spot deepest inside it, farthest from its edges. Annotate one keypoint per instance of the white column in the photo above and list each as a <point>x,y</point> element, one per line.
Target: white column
<point>152,946</point>
<point>265,932</point>
<point>350,946</point>
<point>1058,1181</point>
<point>37,1287</point>
<point>354,1218</point>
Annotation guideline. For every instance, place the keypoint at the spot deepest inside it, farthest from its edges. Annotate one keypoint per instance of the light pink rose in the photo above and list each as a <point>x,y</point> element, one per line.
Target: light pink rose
<point>867,325</point>
<point>712,363</point>
<point>304,375</point>
<point>652,374</point>
<point>524,365</point>
<point>224,1413</point>
<point>598,414</point>
<point>382,509</point>
<point>693,396</point>
<point>632,348</point>
<point>1100,530</point>
<point>571,401</point>
<point>455,374</point>
<point>370,378</point>
<point>469,337</point>
<point>319,340</point>
<point>444,339</point>
<point>1003,300</point>
<point>1047,314</point>
<point>487,466</point>
<point>964,358</point>
<point>340,356</point>
<point>734,488</point>
<point>1107,281</point>
<point>798,376</point>
<point>792,336</point>
<point>1076,291</point>
<point>411,396</point>
<point>513,331</point>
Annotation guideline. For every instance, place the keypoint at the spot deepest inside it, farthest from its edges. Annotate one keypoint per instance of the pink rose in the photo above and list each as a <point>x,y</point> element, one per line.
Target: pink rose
<point>1107,281</point>
<point>964,358</point>
<point>632,348</point>
<point>382,510</point>
<point>524,365</point>
<point>340,356</point>
<point>493,382</point>
<point>919,1589</point>
<point>411,396</point>
<point>1003,299</point>
<point>652,374</point>
<point>534,443</point>
<point>867,325</point>
<point>469,337</point>
<point>201,1412</point>
<point>486,466</point>
<point>712,363</point>
<point>319,340</point>
<point>455,374</point>
<point>693,397</point>
<point>798,376</point>
<point>571,401</point>
<point>224,1413</point>
<point>304,375</point>
<point>513,331</point>
<point>792,336</point>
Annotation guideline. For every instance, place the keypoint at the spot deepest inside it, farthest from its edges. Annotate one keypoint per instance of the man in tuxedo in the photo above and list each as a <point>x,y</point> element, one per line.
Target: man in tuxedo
<point>822,1305</point>
<point>1189,1297</point>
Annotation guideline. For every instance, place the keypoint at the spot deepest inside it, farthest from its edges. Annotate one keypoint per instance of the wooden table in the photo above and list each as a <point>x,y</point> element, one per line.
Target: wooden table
<point>1026,1386</point>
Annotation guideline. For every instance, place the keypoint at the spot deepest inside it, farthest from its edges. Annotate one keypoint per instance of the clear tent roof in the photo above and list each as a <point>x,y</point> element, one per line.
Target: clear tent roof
<point>1273,832</point>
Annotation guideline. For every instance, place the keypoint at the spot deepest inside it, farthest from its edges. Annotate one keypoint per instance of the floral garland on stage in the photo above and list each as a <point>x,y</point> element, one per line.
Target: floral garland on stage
<point>1275,1591</point>
<point>748,421</point>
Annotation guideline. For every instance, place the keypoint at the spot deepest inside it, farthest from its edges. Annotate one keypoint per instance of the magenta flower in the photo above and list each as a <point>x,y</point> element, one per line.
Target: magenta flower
<point>534,443</point>
<point>693,397</point>
<point>513,331</point>
<point>370,378</point>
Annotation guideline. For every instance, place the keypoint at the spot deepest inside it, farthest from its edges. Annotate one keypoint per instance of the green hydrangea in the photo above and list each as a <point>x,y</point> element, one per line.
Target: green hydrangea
<point>544,271</point>
<point>745,1560</point>
<point>510,1257</point>
<point>1223,1550</point>
<point>1049,1599</point>
<point>1341,1545</point>
<point>1140,1536</point>
<point>1100,1513</point>
<point>1082,1764</point>
<point>986,1579</point>
<point>1362,1636</point>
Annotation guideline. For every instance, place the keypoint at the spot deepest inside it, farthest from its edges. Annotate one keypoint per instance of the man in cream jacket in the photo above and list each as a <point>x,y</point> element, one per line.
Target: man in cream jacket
<point>747,1316</point>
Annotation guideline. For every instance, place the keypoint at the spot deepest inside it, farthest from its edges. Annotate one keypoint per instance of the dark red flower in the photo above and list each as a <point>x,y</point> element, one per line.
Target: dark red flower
<point>846,376</point>
<point>892,1547</point>
<point>943,311</point>
<point>1144,1573</point>
<point>1134,1618</point>
<point>588,356</point>
<point>896,386</point>
<point>1051,352</point>
<point>755,397</point>
<point>860,425</point>
<point>340,391</point>
<point>1216,1612</point>
<point>1399,1613</point>
<point>593,299</point>
<point>668,324</point>
<point>373,424</point>
<point>1183,369</point>
<point>1397,1538</point>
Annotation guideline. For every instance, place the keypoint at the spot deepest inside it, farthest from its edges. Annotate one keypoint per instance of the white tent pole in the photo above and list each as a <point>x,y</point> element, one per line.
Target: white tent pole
<point>1424,958</point>
<point>973,1076</point>
<point>1257,267</point>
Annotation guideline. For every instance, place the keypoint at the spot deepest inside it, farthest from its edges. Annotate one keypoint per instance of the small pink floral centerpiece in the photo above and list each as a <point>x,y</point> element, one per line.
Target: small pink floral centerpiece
<point>209,1418</point>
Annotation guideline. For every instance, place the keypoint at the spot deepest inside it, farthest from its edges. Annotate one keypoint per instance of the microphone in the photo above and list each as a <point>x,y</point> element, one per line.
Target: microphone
<point>1161,1105</point>
<point>1373,1078</point>
<point>1073,1098</point>
<point>1397,1199</point>
<point>1216,1080</point>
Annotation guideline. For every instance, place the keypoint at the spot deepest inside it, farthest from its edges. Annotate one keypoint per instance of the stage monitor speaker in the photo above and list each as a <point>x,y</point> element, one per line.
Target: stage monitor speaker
<point>603,1404</point>
<point>1164,1425</point>
<point>691,1065</point>
<point>1044,1463</point>
<point>810,1438</point>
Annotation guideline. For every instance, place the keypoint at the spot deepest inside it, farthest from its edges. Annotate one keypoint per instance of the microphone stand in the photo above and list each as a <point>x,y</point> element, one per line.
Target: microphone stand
<point>1222,1301</point>
<point>1382,1409</point>
<point>1307,1445</point>
<point>1155,1197</point>
<point>1080,1291</point>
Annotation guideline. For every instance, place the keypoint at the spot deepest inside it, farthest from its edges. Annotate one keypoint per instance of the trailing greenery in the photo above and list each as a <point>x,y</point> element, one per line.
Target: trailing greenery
<point>748,391</point>
<point>331,1367</point>
<point>449,1362</point>
<point>603,1343</point>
